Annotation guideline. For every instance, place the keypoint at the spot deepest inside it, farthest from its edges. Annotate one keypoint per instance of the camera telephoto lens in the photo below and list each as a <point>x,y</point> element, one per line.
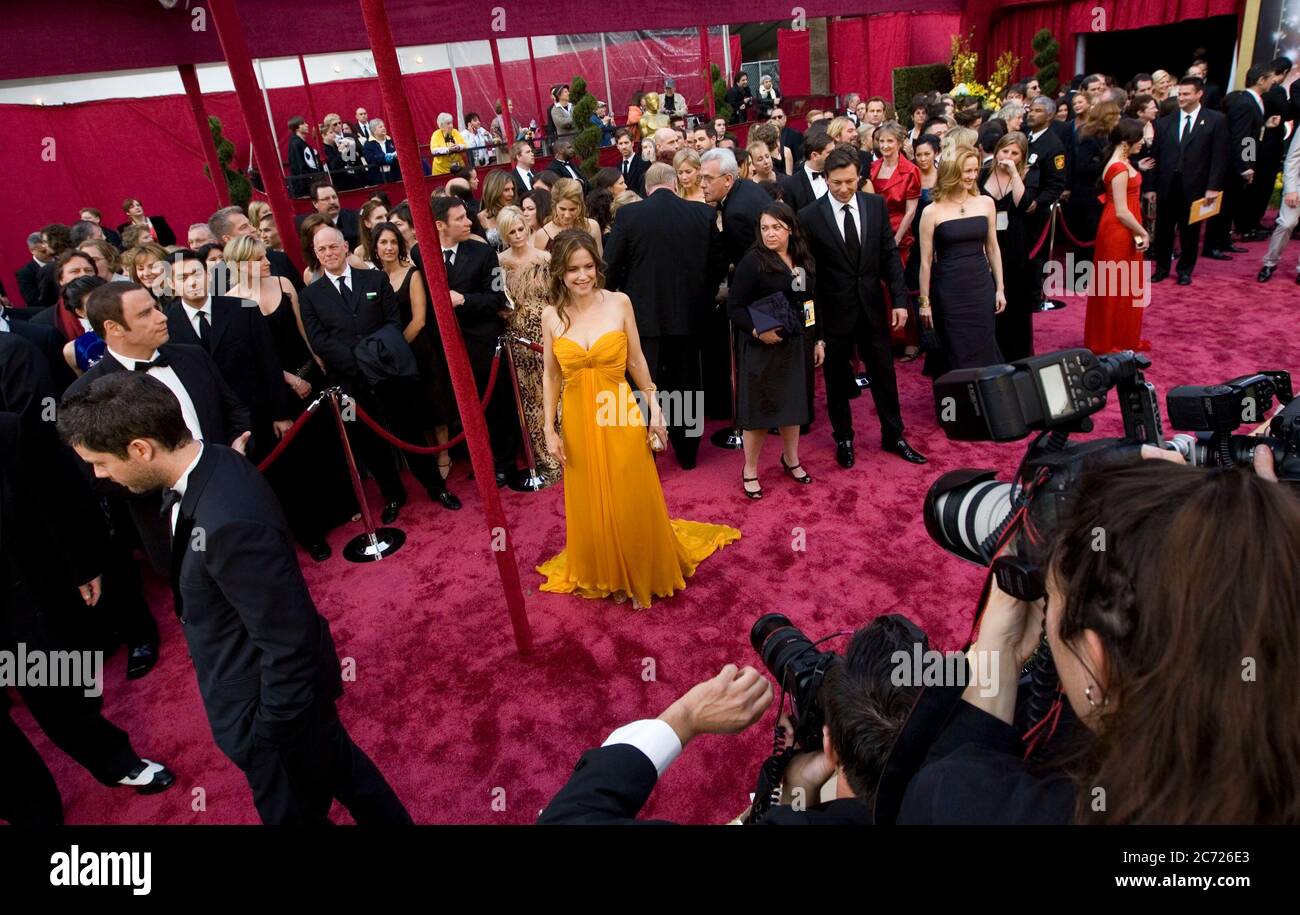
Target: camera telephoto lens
<point>963,508</point>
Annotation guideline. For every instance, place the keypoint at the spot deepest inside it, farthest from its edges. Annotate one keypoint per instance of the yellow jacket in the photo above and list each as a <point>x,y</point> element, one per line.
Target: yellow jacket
<point>442,163</point>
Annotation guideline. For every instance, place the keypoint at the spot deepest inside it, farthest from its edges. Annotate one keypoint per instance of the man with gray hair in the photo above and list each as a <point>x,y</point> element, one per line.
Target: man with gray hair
<point>231,222</point>
<point>198,235</point>
<point>1045,177</point>
<point>29,277</point>
<point>672,306</point>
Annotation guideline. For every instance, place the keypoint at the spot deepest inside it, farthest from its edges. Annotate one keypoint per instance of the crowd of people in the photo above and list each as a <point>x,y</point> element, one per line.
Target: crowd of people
<point>867,241</point>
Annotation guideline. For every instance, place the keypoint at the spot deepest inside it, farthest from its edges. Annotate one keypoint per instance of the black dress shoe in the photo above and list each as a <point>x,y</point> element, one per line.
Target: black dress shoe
<point>141,660</point>
<point>148,778</point>
<point>319,551</point>
<point>1216,255</point>
<point>389,514</point>
<point>1236,249</point>
<point>1158,275</point>
<point>502,478</point>
<point>447,499</point>
<point>863,382</point>
<point>1184,279</point>
<point>1265,273</point>
<point>905,451</point>
<point>844,454</point>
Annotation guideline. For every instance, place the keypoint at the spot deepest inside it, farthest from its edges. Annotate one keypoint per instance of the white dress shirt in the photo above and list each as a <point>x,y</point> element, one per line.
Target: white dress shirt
<point>453,249</point>
<point>1033,137</point>
<point>857,215</point>
<point>179,486</point>
<point>167,375</point>
<point>1258,101</point>
<point>1182,120</point>
<point>818,182</point>
<point>345,275</point>
<point>193,313</point>
<point>525,176</point>
<point>653,737</point>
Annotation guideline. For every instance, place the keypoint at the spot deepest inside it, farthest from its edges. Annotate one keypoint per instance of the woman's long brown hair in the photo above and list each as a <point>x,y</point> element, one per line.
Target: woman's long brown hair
<point>1196,598</point>
<point>565,245</point>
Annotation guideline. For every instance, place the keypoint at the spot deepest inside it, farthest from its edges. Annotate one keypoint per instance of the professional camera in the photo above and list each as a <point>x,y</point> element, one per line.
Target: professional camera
<point>1213,413</point>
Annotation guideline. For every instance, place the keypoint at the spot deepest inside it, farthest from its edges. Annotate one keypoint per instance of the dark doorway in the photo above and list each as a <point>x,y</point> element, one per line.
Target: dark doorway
<point>1163,47</point>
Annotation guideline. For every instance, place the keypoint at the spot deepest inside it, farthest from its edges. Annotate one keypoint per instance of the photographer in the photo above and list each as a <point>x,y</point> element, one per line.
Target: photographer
<point>1175,650</point>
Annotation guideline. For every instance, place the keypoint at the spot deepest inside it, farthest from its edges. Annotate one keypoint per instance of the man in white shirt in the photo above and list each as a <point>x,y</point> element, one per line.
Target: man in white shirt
<point>522,156</point>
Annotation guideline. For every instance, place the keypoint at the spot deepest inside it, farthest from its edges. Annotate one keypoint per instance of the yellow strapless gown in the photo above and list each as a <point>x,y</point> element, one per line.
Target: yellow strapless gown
<point>619,539</point>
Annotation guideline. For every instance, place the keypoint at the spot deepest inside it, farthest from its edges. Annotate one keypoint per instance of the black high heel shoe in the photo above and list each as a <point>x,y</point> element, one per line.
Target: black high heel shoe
<point>753,495</point>
<point>806,478</point>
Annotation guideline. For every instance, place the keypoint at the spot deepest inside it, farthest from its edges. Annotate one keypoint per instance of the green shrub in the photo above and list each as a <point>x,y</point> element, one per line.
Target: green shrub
<point>911,81</point>
<point>587,142</point>
<point>241,192</point>
<point>1046,51</point>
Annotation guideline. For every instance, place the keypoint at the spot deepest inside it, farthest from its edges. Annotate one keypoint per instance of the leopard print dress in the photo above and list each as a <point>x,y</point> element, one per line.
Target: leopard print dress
<point>529,289</point>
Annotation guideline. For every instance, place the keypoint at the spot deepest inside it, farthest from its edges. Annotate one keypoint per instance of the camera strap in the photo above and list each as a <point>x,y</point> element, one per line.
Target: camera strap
<point>767,790</point>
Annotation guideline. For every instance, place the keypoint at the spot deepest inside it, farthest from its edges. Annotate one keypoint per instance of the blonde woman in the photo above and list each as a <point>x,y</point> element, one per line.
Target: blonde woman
<point>528,285</point>
<point>962,264</point>
<point>498,193</point>
<point>568,211</point>
<point>956,138</point>
<point>687,166</point>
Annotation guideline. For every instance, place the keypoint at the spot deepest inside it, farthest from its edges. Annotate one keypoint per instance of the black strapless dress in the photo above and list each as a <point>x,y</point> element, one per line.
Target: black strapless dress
<point>962,294</point>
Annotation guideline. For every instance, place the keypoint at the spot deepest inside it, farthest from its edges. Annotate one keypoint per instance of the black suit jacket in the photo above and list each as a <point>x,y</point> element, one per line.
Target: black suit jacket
<point>793,140</point>
<point>348,223</point>
<point>1047,173</point>
<point>556,166</point>
<point>242,347</point>
<point>844,289</point>
<point>282,266</point>
<point>475,274</point>
<point>263,655</point>
<point>336,325</point>
<point>520,189</point>
<point>740,211</point>
<point>634,177</point>
<point>1245,131</point>
<point>165,234</point>
<point>666,254</point>
<point>611,784</point>
<point>1205,159</point>
<point>29,285</point>
<point>49,344</point>
<point>797,189</point>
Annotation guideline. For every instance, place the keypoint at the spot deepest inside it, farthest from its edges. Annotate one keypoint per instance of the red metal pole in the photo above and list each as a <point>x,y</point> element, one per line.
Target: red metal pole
<point>708,69</point>
<point>230,30</point>
<point>462,378</point>
<point>190,79</point>
<point>311,102</point>
<point>537,86</point>
<point>501,87</point>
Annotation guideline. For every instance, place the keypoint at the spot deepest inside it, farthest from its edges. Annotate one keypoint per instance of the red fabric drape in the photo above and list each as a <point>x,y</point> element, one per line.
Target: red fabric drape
<point>1014,24</point>
<point>792,52</point>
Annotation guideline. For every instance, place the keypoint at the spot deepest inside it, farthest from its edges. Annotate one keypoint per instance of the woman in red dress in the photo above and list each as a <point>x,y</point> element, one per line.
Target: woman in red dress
<point>1120,291</point>
<point>898,180</point>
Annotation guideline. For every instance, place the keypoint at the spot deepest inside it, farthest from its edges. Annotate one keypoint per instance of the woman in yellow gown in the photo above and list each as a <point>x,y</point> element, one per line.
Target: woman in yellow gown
<point>620,542</point>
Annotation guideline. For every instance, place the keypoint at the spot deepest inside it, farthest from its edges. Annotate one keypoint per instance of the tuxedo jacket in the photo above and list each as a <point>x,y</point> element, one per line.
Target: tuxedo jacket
<point>49,345</point>
<point>165,234</point>
<point>558,167</point>
<point>475,274</point>
<point>844,288</point>
<point>610,785</point>
<point>336,325</point>
<point>1204,160</point>
<point>222,419</point>
<point>797,189</point>
<point>634,177</point>
<point>666,254</point>
<point>1245,131</point>
<point>29,286</point>
<point>263,655</point>
<point>740,212</point>
<point>240,344</point>
<point>520,188</point>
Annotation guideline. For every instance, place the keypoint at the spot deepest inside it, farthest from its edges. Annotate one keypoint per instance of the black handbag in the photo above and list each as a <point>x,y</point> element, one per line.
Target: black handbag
<point>773,312</point>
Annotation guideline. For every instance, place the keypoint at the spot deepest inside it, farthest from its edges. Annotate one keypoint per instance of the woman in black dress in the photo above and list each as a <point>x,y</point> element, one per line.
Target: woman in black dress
<point>1006,185</point>
<point>961,263</point>
<point>773,373</point>
<point>310,476</point>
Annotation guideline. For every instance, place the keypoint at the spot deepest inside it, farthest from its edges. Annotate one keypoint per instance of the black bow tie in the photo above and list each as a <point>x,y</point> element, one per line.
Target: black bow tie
<point>170,498</point>
<point>158,363</point>
<point>815,174</point>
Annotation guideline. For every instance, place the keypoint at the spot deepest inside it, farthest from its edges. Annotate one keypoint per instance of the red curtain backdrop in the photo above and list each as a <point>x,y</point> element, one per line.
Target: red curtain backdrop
<point>866,50</point>
<point>1014,25</point>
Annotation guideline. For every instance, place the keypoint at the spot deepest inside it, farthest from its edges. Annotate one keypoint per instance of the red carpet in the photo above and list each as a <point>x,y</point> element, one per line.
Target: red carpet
<point>462,726</point>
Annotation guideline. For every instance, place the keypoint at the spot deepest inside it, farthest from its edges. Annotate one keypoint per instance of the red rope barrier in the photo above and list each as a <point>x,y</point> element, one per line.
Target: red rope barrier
<point>1041,239</point>
<point>292,433</point>
<point>430,449</point>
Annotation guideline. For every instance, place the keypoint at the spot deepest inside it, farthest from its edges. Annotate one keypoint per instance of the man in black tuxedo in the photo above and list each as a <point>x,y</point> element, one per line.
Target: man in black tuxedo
<point>563,167</point>
<point>1192,156</point>
<point>791,139</point>
<point>740,203</point>
<point>1246,120</point>
<point>630,164</point>
<point>266,664</point>
<point>326,201</point>
<point>53,541</point>
<point>808,183</point>
<point>135,332</point>
<point>28,275</point>
<point>233,332</point>
<point>1046,177</point>
<point>232,222</point>
<point>672,305</point>
<point>1272,149</point>
<point>849,237</point>
<point>361,127</point>
<point>522,158</point>
<point>477,288</point>
<point>347,312</point>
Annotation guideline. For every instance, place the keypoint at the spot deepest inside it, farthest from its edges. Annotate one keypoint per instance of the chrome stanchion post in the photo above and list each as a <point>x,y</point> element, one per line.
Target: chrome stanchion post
<point>373,544</point>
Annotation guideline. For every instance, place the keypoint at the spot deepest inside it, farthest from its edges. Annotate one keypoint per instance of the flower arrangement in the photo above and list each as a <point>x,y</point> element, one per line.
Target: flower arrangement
<point>963,65</point>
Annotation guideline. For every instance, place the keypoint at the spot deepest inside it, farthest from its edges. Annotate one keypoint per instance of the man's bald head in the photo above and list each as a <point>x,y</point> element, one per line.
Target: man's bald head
<point>331,249</point>
<point>667,143</point>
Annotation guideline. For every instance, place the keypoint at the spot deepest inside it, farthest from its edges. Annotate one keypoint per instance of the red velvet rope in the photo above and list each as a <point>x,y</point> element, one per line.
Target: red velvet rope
<point>1064,229</point>
<point>430,449</point>
<point>290,435</point>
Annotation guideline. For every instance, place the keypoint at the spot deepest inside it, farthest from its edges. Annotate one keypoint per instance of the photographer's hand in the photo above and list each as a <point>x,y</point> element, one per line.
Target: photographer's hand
<point>725,704</point>
<point>806,774</point>
<point>1009,631</point>
<point>1264,466</point>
